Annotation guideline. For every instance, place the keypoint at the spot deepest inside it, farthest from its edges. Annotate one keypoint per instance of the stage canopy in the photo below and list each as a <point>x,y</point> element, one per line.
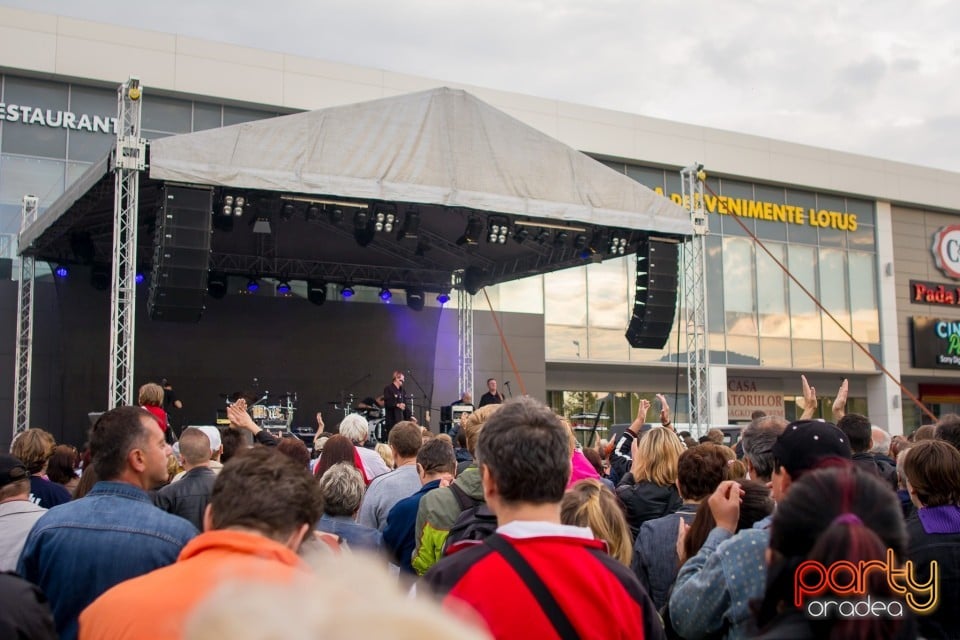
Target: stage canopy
<point>471,190</point>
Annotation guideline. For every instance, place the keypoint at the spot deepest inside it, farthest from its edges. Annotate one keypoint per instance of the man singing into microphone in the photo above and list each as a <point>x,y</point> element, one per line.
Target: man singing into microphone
<point>492,396</point>
<point>394,403</point>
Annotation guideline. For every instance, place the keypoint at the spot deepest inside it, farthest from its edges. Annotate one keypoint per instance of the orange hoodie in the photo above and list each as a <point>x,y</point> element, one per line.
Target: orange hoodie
<point>155,605</point>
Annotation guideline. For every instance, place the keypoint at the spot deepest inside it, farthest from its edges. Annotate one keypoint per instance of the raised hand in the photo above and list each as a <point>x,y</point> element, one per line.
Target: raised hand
<point>840,402</point>
<point>809,399</point>
<point>725,505</point>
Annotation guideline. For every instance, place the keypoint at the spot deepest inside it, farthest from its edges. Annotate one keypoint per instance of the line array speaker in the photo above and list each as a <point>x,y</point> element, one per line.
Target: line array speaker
<point>655,303</point>
<point>181,254</point>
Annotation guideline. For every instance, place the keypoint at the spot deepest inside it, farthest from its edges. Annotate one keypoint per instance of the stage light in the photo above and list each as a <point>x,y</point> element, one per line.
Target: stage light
<point>217,284</point>
<point>317,291</point>
<point>497,230</point>
<point>233,205</point>
<point>139,278</point>
<point>580,242</point>
<point>283,287</point>
<point>542,236</point>
<point>238,204</point>
<point>363,231</point>
<point>252,285</point>
<point>384,220</point>
<point>443,298</point>
<point>560,239</point>
<point>410,227</point>
<point>385,294</point>
<point>228,206</point>
<point>262,225</point>
<point>472,233</point>
<point>415,298</point>
<point>347,291</point>
<point>61,271</point>
<point>335,214</point>
<point>520,235</point>
<point>100,277</point>
<point>618,244</point>
<point>287,210</point>
<point>312,213</point>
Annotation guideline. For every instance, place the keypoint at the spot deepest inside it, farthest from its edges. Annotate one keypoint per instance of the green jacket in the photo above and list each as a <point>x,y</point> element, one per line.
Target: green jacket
<point>438,512</point>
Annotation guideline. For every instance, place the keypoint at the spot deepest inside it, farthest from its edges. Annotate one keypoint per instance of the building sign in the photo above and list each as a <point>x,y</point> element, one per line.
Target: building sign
<point>39,116</point>
<point>746,395</point>
<point>934,293</point>
<point>936,343</point>
<point>774,212</point>
<point>946,250</point>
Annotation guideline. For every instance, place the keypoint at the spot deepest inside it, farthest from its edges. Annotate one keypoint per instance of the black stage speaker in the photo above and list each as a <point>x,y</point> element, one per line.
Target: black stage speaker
<point>656,298</point>
<point>181,254</point>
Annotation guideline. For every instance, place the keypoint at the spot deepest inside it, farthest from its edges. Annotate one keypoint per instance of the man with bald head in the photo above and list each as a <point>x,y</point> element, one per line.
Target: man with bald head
<point>80,549</point>
<point>188,496</point>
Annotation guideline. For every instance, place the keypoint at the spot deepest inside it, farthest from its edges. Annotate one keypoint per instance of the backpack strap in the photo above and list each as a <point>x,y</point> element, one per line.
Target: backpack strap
<point>548,604</point>
<point>463,499</point>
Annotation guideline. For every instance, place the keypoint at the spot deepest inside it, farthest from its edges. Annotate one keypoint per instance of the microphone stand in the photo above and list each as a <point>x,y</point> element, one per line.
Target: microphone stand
<point>423,391</point>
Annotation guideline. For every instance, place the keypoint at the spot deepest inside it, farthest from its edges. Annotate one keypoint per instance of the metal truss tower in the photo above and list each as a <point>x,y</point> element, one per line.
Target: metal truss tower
<point>464,337</point>
<point>21,406</point>
<point>129,160</point>
<point>695,300</point>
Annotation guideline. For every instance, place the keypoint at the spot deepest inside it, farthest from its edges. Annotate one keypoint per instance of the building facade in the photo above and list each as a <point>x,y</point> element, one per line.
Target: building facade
<point>861,237</point>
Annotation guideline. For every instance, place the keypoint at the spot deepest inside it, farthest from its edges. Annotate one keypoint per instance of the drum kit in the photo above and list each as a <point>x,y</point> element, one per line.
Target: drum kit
<point>348,404</point>
<point>271,413</point>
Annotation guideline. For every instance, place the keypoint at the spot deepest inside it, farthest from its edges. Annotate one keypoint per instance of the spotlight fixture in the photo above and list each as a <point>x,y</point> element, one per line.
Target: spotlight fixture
<point>618,244</point>
<point>472,233</point>
<point>443,297</point>
<point>312,213</point>
<point>283,287</point>
<point>286,211</point>
<point>560,238</point>
<point>61,271</point>
<point>520,235</point>
<point>253,285</point>
<point>542,236</point>
<point>262,225</point>
<point>217,284</point>
<point>347,291</point>
<point>385,294</point>
<point>139,278</point>
<point>383,220</point>
<point>580,242</point>
<point>497,230</point>
<point>317,291</point>
<point>415,298</point>
<point>363,231</point>
<point>410,227</point>
<point>233,205</point>
<point>335,213</point>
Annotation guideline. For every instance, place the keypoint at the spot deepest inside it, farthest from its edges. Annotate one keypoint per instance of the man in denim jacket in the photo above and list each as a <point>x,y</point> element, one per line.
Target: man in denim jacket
<point>80,549</point>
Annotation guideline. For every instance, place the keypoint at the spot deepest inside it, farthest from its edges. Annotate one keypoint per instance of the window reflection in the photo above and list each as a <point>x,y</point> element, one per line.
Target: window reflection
<point>772,293</point>
<point>564,343</point>
<point>804,316</point>
<point>739,287</point>
<point>609,345</point>
<point>833,294</point>
<point>521,296</point>
<point>565,300</point>
<point>608,306</point>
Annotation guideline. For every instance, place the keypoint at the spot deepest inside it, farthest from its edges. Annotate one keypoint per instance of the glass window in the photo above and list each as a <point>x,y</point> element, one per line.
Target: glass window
<point>833,294</point>
<point>864,210</point>
<point>34,176</point>
<point>742,350</point>
<point>772,293</point>
<point>607,293</point>
<point>102,102</point>
<point>864,238</point>
<point>650,178</point>
<point>89,146</point>
<point>565,296</point>
<point>837,355</point>
<point>863,297</point>
<point>608,344</point>
<point>732,227</point>
<point>775,352</point>
<point>236,115</point>
<point>672,180</point>
<point>714,260</point>
<point>807,355</point>
<point>167,115</point>
<point>522,296</point>
<point>564,343</point>
<point>804,316</point>
<point>739,287</point>
<point>831,203</point>
<point>206,116</point>
<point>40,106</point>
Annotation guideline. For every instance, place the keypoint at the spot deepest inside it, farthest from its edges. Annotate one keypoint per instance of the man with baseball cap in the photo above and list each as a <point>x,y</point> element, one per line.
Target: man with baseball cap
<point>17,512</point>
<point>713,588</point>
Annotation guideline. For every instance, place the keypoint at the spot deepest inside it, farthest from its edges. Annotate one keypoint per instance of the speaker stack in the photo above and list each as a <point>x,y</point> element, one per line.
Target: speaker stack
<point>181,254</point>
<point>655,303</point>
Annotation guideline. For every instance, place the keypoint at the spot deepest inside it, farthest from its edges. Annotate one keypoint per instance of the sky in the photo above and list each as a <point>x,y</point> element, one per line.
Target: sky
<point>876,77</point>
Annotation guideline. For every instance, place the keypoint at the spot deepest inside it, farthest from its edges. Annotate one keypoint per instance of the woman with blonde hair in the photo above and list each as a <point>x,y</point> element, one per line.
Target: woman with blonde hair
<point>590,504</point>
<point>649,491</point>
<point>150,397</point>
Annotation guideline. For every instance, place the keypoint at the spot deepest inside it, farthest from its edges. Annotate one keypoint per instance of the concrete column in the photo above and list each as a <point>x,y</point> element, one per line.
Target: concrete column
<point>883,394</point>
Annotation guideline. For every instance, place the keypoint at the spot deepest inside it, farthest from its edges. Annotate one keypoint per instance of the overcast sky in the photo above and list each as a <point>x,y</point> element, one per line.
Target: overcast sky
<point>877,77</point>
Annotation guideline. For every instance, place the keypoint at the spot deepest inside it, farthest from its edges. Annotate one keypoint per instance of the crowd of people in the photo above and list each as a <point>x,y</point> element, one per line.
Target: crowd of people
<point>508,527</point>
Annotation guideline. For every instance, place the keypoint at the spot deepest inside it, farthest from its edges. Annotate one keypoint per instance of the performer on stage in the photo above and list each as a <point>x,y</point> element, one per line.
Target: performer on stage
<point>395,403</point>
<point>492,396</point>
